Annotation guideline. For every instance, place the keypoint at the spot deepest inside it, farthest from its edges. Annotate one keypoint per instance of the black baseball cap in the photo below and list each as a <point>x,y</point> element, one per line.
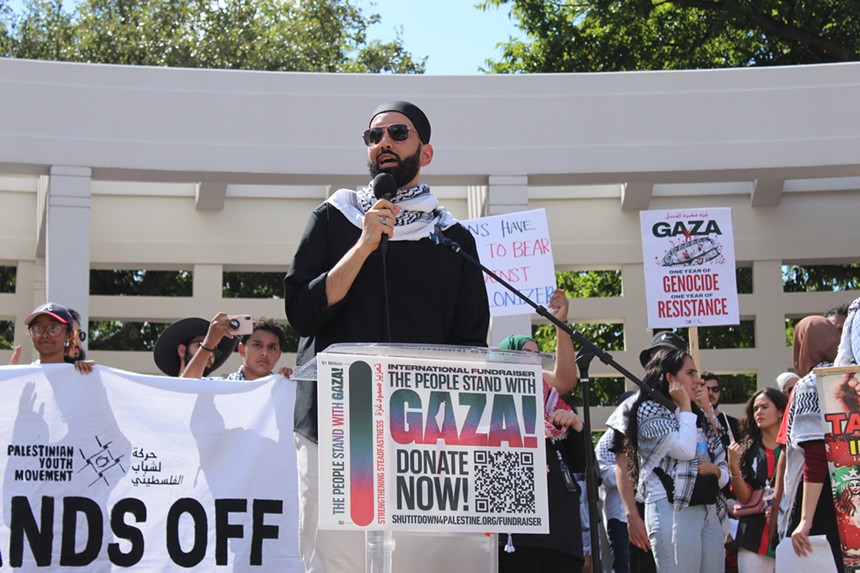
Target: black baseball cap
<point>57,311</point>
<point>663,339</point>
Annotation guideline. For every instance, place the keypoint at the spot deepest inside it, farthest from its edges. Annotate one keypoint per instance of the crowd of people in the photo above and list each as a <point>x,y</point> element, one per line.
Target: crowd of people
<point>679,483</point>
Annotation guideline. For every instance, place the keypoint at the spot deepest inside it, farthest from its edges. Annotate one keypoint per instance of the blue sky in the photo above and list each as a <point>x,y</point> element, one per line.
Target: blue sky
<point>455,36</point>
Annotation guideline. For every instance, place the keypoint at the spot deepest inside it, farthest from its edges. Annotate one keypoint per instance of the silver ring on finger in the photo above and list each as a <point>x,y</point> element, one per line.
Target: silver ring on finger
<point>383,220</point>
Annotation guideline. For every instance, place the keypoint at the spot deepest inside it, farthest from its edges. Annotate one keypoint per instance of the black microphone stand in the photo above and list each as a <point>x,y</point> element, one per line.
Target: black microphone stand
<point>589,351</point>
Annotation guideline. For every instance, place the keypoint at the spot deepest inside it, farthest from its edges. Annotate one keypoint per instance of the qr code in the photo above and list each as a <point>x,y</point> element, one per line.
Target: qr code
<point>504,482</point>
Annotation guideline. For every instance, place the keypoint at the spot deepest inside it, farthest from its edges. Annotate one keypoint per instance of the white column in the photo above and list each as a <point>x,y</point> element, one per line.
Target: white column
<point>67,238</point>
<point>208,290</point>
<point>508,194</point>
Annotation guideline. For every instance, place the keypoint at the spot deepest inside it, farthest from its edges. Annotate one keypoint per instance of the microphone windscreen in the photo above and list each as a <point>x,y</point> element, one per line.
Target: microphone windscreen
<point>384,186</point>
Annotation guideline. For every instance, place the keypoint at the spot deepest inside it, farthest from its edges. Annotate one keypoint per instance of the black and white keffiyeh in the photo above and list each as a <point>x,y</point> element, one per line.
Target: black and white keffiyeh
<point>620,416</point>
<point>805,424</point>
<point>657,426</point>
<point>419,214</point>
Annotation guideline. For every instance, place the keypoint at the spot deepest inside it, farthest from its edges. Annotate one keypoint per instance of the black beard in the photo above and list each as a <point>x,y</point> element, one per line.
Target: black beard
<point>405,171</point>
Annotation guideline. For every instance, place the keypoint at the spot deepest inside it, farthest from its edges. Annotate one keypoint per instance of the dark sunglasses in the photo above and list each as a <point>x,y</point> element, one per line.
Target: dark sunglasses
<point>82,335</point>
<point>713,389</point>
<point>396,131</point>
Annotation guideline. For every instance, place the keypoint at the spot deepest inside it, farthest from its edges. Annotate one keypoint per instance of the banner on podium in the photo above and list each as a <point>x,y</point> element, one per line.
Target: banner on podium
<point>431,445</point>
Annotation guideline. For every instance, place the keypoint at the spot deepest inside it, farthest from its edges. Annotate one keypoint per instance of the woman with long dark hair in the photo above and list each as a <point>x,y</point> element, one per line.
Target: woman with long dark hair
<point>680,466</point>
<point>752,465</point>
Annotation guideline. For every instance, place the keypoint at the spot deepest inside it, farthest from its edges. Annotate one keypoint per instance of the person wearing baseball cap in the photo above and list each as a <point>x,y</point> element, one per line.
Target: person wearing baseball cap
<point>51,330</point>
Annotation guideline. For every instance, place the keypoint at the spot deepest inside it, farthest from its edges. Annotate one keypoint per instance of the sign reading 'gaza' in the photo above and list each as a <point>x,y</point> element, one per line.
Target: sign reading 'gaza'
<point>688,259</point>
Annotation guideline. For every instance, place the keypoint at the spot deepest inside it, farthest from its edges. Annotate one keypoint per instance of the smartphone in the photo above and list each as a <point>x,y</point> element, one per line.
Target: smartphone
<point>241,324</point>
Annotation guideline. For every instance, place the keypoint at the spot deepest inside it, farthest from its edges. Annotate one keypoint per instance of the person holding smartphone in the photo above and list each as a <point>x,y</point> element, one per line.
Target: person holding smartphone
<point>260,346</point>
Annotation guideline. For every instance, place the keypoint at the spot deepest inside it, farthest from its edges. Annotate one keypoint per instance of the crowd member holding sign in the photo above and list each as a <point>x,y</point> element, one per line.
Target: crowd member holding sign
<point>260,350</point>
<point>807,478</point>
<point>752,467</point>
<point>335,291</point>
<point>51,328</point>
<point>560,549</point>
<point>680,465</point>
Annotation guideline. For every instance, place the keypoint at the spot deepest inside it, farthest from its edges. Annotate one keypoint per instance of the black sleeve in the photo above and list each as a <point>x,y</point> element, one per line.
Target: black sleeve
<point>616,446</point>
<point>577,445</point>
<point>305,299</point>
<point>472,319</point>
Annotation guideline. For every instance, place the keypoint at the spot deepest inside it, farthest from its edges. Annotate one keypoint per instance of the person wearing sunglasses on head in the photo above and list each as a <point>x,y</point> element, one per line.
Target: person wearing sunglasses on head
<point>343,286</point>
<point>51,328</point>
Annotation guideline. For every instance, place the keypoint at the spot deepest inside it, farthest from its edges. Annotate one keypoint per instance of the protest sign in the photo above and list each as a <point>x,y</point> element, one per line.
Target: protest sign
<point>515,246</point>
<point>840,405</point>
<point>147,473</point>
<point>689,262</point>
<point>431,445</point>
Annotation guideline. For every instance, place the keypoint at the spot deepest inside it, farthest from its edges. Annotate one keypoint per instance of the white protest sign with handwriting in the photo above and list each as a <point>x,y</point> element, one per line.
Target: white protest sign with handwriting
<point>517,247</point>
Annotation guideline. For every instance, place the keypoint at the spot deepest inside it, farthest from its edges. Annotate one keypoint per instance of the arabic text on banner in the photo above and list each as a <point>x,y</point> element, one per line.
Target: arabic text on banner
<point>689,261</point>
<point>147,473</point>
<point>431,445</point>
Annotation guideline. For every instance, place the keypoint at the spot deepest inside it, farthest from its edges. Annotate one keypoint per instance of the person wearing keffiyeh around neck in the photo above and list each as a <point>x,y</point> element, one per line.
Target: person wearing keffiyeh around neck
<point>679,478</point>
<point>560,549</point>
<point>335,292</point>
<point>806,490</point>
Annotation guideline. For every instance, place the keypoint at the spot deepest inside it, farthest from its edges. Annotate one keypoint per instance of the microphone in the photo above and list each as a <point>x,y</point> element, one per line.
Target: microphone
<point>384,187</point>
<point>439,239</point>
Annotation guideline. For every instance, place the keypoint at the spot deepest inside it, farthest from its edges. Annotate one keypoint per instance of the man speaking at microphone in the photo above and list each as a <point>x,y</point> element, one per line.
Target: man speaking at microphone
<point>342,287</point>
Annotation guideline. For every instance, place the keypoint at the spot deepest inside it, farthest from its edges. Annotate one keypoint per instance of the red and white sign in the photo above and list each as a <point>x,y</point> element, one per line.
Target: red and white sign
<point>689,261</point>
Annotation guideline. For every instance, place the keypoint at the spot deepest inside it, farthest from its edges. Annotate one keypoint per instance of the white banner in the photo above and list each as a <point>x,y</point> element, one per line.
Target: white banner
<point>431,445</point>
<point>689,261</point>
<point>515,246</point>
<point>118,470</point>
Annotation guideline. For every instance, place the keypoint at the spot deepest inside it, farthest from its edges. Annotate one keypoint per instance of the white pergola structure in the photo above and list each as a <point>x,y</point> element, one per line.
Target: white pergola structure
<point>211,170</point>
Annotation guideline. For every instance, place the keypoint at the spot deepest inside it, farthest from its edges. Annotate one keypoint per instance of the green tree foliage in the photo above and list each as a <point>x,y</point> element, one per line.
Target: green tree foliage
<point>140,283</point>
<point>120,335</point>
<point>253,285</point>
<point>588,284</point>
<point>799,278</point>
<point>8,278</point>
<point>274,35</point>
<point>622,35</point>
<point>7,334</point>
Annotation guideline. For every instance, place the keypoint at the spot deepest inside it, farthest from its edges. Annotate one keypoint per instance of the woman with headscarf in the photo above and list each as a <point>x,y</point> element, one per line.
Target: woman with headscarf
<point>807,482</point>
<point>679,474</point>
<point>561,548</point>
